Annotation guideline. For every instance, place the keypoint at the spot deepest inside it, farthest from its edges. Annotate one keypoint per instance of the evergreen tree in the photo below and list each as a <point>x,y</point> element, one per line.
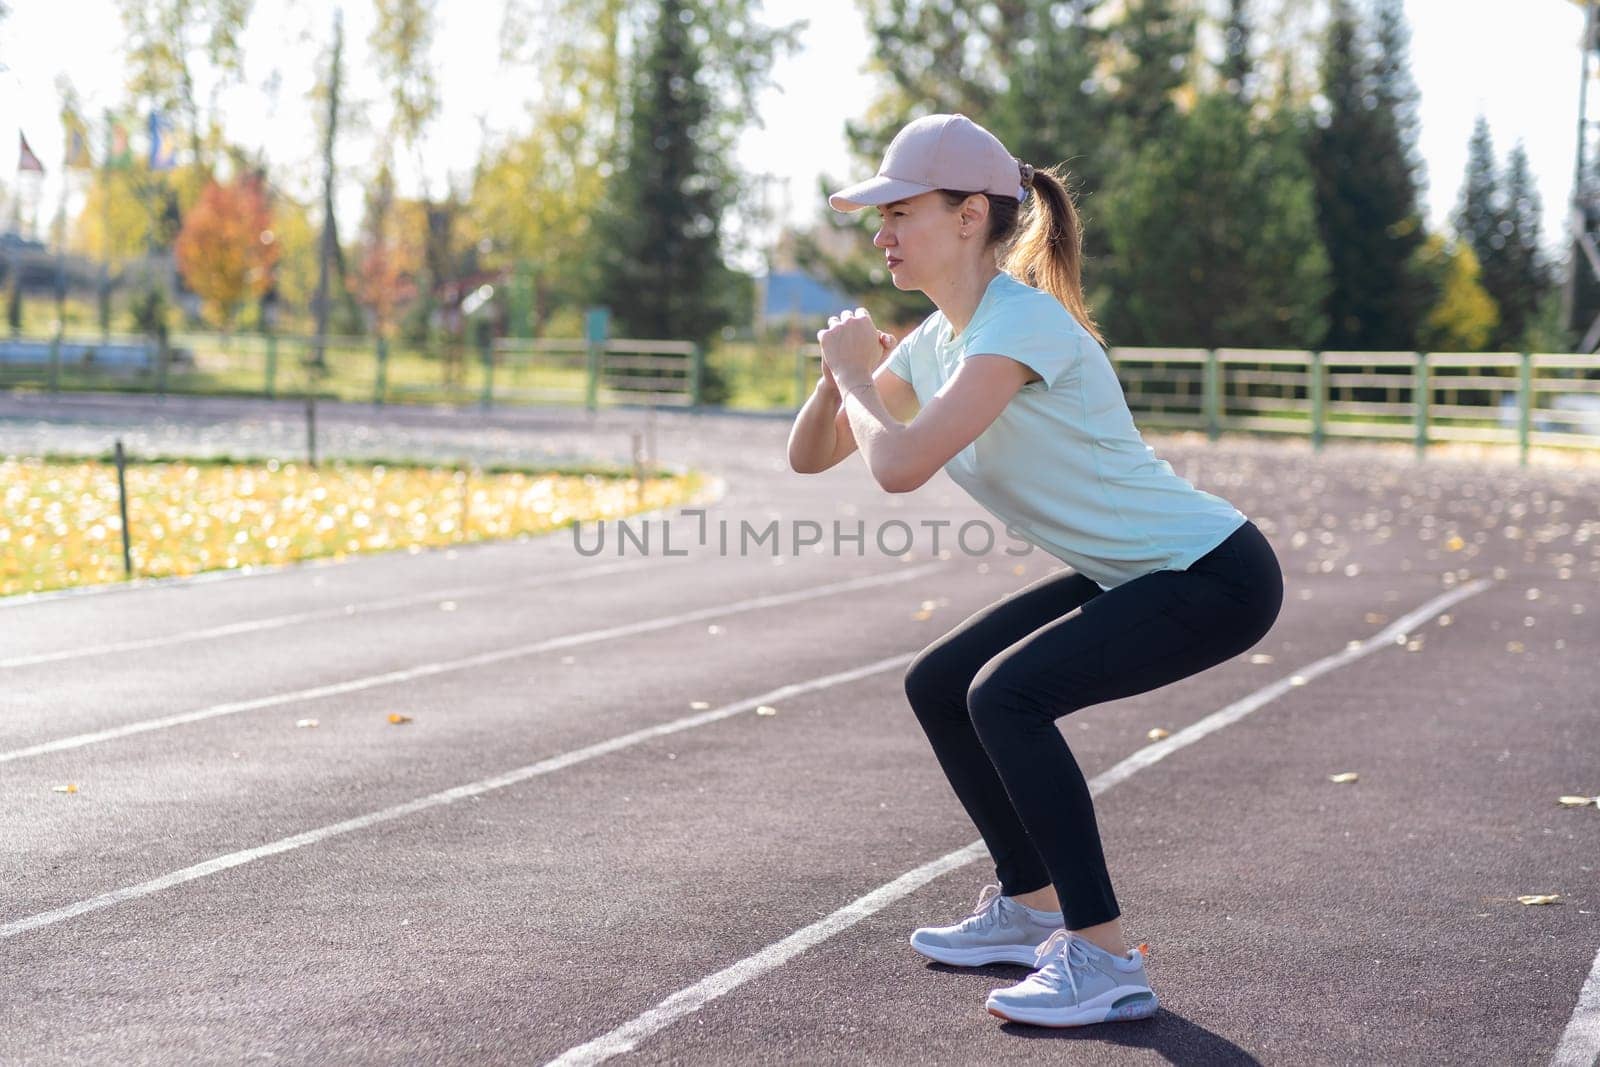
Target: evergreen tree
<point>1214,234</point>
<point>1237,67</point>
<point>1479,213</point>
<point>1367,196</point>
<point>1156,38</point>
<point>1530,278</point>
<point>658,238</point>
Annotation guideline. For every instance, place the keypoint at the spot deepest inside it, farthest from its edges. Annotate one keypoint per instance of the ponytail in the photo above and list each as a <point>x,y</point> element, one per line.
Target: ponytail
<point>1046,250</point>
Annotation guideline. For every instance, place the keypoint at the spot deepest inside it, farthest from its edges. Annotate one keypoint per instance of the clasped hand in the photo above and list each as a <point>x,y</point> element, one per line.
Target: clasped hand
<point>852,348</point>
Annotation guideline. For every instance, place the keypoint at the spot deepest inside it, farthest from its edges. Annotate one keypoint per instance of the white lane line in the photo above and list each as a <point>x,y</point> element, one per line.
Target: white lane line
<point>448,796</point>
<point>277,621</point>
<point>480,660</point>
<point>689,1000</point>
<point>1580,1041</point>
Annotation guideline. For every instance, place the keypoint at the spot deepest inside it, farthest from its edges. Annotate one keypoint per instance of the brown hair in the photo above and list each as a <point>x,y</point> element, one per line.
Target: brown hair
<point>1042,247</point>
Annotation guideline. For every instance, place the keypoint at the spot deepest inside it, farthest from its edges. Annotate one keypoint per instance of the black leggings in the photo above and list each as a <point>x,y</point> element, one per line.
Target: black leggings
<point>988,694</point>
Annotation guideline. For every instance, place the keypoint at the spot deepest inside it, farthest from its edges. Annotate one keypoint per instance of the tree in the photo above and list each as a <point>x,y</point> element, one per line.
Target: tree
<point>1367,196</point>
<point>1465,315</point>
<point>225,250</point>
<point>384,268</point>
<point>1155,40</point>
<point>657,236</point>
<point>165,37</point>
<point>1213,231</point>
<point>1531,279</point>
<point>1237,68</point>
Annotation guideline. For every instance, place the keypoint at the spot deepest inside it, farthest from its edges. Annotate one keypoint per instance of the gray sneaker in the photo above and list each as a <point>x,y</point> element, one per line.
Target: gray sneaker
<point>999,930</point>
<point>1078,983</point>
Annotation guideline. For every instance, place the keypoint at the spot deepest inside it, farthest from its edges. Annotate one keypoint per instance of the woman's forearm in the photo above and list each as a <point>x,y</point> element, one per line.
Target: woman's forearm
<point>813,438</point>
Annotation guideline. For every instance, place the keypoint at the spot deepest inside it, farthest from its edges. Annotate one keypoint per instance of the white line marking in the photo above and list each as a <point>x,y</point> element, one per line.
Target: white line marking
<point>448,796</point>
<point>687,1001</point>
<point>276,621</point>
<point>480,660</point>
<point>1580,1041</point>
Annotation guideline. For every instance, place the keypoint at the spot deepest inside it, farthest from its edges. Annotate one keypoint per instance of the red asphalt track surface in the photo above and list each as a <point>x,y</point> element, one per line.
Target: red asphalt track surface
<point>227,887</point>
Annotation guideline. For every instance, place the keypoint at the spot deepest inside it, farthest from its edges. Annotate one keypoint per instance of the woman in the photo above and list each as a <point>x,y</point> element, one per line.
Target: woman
<point>1021,406</point>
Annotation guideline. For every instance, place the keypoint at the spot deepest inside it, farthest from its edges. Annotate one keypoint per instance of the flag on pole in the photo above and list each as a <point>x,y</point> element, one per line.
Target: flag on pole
<point>26,160</point>
<point>76,156</point>
<point>163,145</point>
<point>119,152</point>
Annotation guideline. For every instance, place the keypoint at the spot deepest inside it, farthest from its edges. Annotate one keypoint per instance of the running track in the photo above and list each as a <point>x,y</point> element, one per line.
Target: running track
<point>589,844</point>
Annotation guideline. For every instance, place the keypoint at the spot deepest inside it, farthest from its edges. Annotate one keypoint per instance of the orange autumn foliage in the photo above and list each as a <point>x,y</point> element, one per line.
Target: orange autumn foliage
<point>226,250</point>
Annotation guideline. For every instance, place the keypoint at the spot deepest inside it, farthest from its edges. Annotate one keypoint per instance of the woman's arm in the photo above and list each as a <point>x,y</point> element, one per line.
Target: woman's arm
<point>813,438</point>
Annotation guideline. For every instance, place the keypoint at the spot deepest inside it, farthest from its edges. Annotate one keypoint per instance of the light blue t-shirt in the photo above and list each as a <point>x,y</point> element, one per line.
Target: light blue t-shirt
<point>1063,464</point>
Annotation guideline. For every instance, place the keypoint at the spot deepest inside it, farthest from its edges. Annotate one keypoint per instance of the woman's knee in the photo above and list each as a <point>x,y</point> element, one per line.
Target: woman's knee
<point>997,704</point>
<point>930,681</point>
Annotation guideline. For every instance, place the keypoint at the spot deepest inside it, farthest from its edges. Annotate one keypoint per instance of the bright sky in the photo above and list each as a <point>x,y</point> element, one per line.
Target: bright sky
<point>1468,56</point>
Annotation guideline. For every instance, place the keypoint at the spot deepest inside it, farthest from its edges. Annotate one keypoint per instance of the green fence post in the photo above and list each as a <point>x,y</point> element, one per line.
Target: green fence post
<point>486,351</point>
<point>799,377</point>
<point>271,382</point>
<point>596,326</point>
<point>1319,401</point>
<point>55,361</point>
<point>1524,407</point>
<point>163,356</point>
<point>697,359</point>
<point>1212,398</point>
<point>1421,393</point>
<point>381,385</point>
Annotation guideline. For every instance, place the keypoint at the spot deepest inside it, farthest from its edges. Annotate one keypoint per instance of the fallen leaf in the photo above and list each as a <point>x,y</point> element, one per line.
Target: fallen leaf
<point>1578,802</point>
<point>1455,544</point>
<point>766,709</point>
<point>699,705</point>
<point>1157,733</point>
<point>922,616</point>
<point>1374,619</point>
<point>1514,646</point>
<point>397,718</point>
<point>70,787</point>
<point>1347,776</point>
<point>306,723</point>
<point>713,629</point>
<point>1261,657</point>
<point>1540,898</point>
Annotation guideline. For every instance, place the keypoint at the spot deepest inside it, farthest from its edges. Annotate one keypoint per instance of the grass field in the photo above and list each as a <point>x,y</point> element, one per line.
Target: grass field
<point>60,524</point>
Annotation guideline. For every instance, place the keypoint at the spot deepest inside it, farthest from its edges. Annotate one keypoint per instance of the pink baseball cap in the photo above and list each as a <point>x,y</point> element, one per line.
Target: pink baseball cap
<point>937,152</point>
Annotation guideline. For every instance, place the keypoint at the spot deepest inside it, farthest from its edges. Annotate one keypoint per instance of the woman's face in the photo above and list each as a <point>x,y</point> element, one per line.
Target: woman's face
<point>921,238</point>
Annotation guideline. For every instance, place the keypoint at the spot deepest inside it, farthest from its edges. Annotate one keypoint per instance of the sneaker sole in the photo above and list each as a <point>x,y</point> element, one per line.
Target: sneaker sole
<point>1128,1007</point>
<point>1022,955</point>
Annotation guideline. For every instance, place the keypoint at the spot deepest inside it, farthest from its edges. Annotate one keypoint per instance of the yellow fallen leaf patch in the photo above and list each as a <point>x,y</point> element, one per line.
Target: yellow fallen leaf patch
<point>1346,776</point>
<point>1157,733</point>
<point>397,718</point>
<point>306,724</point>
<point>766,709</point>
<point>1540,898</point>
<point>1578,802</point>
<point>70,787</point>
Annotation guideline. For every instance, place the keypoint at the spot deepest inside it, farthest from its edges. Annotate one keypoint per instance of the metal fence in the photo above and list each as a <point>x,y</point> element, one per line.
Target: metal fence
<point>1516,399</point>
<point>505,370</point>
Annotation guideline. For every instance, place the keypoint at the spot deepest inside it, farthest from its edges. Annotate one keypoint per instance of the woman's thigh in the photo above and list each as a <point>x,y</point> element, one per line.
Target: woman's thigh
<point>953,659</point>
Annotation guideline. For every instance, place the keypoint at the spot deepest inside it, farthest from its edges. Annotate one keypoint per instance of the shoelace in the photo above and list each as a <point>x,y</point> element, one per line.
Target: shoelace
<point>1064,948</point>
<point>987,910</point>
